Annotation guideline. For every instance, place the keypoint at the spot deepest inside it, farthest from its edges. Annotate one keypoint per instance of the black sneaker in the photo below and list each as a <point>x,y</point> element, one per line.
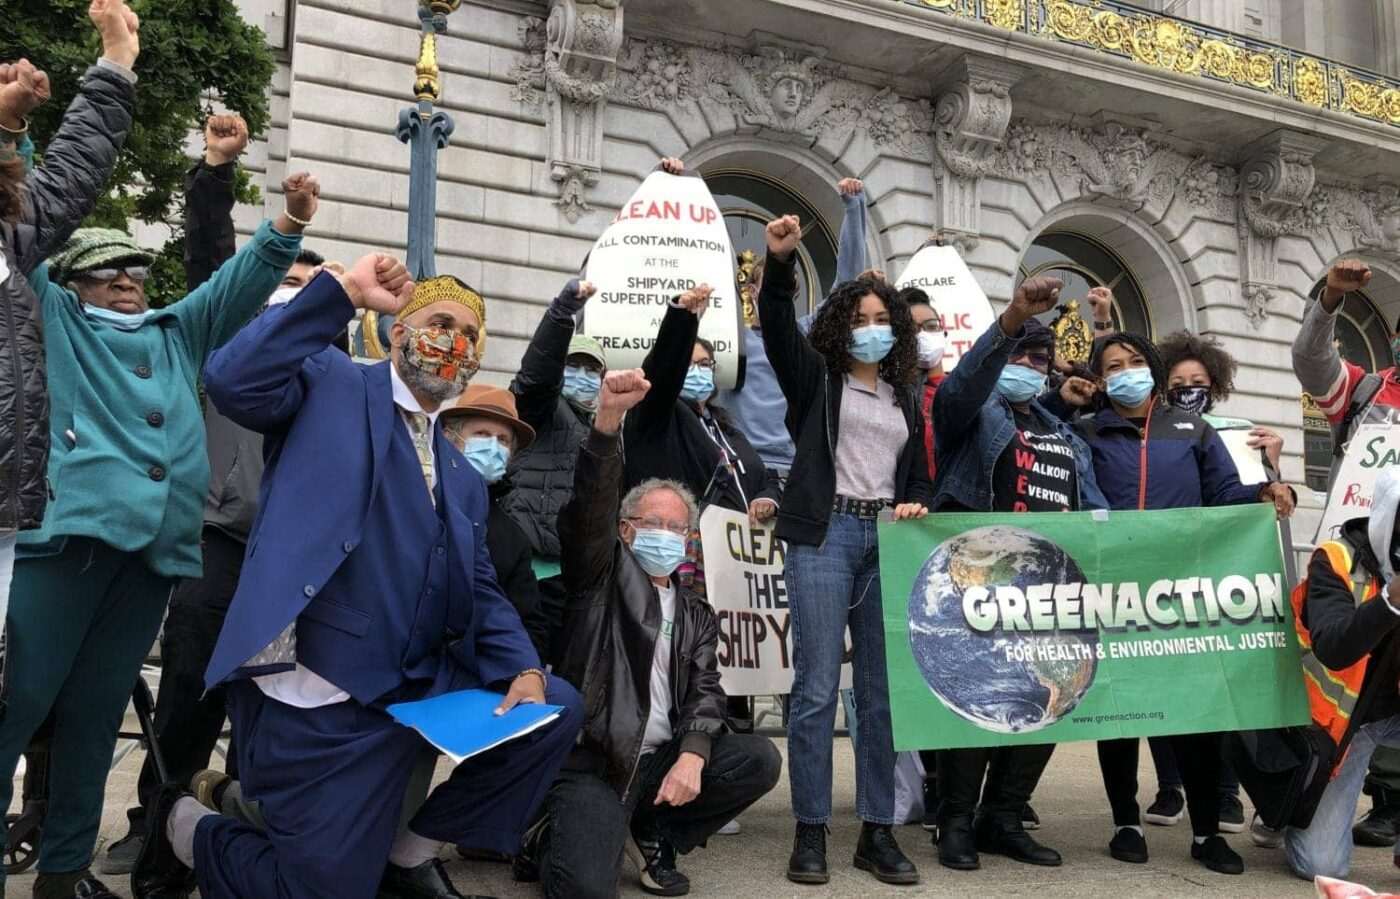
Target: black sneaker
<point>92,888</point>
<point>121,855</point>
<point>1128,846</point>
<point>71,885</point>
<point>1231,813</point>
<point>1029,819</point>
<point>1217,855</point>
<point>807,863</point>
<point>1167,808</point>
<point>656,860</point>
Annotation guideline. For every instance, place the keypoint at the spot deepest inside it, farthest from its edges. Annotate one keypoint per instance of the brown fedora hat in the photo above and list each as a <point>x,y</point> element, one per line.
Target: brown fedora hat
<point>492,402</point>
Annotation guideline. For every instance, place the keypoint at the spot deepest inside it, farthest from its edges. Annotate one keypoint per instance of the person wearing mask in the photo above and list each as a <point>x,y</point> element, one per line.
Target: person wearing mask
<point>188,719</point>
<point>556,391</point>
<point>991,426</point>
<point>125,422</point>
<point>678,433</point>
<point>1201,373</point>
<point>1151,455</point>
<point>485,428</point>
<point>1349,397</point>
<point>39,208</point>
<point>655,773</point>
<point>365,501</point>
<point>1346,613</point>
<point>858,367</point>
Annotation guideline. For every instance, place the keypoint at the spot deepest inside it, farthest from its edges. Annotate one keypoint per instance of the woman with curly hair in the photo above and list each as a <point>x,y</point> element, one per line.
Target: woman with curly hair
<point>857,368</point>
<point>1201,373</point>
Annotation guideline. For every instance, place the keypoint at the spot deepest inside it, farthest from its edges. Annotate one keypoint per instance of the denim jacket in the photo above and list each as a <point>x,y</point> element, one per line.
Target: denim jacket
<point>973,424</point>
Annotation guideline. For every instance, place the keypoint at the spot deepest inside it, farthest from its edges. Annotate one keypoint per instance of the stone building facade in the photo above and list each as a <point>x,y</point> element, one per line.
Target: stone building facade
<point>1192,161</point>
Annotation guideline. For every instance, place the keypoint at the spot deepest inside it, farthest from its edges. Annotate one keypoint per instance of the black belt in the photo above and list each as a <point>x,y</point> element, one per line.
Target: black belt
<point>860,508</point>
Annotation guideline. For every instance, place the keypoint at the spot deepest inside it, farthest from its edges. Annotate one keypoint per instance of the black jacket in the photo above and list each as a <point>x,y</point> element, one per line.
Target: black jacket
<point>511,556</point>
<point>813,394</point>
<point>611,627</point>
<point>664,436</point>
<point>1343,633</point>
<point>543,475</point>
<point>77,163</point>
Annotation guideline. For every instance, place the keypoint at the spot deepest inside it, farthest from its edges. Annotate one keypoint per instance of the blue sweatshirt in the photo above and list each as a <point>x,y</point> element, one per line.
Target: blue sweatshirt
<point>759,409</point>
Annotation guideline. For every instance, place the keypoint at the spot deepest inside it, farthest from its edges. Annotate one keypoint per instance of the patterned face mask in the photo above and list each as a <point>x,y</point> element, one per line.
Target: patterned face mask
<point>1194,399</point>
<point>442,353</point>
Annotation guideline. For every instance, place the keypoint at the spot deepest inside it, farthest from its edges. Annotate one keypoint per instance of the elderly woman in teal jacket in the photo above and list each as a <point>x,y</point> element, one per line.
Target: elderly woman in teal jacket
<point>128,469</point>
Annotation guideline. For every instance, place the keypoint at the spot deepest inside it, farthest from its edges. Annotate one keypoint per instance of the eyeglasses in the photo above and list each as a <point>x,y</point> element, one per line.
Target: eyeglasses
<point>1038,361</point>
<point>655,524</point>
<point>706,363</point>
<point>137,273</point>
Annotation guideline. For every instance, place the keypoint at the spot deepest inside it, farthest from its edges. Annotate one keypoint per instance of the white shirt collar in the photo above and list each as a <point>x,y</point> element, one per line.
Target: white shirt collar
<point>404,398</point>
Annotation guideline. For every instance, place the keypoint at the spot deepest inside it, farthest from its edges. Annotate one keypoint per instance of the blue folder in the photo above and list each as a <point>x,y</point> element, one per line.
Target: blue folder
<point>465,723</point>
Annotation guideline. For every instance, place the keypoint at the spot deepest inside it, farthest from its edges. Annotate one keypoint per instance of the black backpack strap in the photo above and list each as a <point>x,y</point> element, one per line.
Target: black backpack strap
<point>1361,397</point>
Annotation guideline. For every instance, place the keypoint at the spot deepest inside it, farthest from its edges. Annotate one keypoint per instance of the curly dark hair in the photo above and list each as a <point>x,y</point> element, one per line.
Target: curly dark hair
<point>1184,346</point>
<point>831,332</point>
<point>1134,342</point>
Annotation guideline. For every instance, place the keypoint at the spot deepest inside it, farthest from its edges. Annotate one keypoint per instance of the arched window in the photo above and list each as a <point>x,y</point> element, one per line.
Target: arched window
<point>1083,263</point>
<point>1363,338</point>
<point>750,200</point>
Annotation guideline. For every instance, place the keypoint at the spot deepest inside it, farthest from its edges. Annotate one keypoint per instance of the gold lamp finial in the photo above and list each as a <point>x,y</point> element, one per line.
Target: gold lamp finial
<point>1073,339</point>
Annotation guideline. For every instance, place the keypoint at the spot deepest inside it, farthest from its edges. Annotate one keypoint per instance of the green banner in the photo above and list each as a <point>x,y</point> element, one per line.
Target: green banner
<point>1049,628</point>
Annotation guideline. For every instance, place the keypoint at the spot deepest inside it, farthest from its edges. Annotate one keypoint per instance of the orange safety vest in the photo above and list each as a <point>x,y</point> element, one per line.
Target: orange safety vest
<point>1332,695</point>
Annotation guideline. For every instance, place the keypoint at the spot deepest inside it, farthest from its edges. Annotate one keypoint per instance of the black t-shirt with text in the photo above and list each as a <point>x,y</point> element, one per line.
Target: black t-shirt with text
<point>1036,471</point>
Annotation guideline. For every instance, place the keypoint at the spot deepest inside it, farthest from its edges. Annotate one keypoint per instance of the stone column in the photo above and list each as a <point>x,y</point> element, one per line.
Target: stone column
<point>1388,37</point>
<point>1223,14</point>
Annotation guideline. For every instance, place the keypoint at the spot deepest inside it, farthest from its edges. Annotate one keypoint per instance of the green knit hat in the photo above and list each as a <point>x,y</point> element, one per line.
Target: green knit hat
<point>94,248</point>
<point>587,346</point>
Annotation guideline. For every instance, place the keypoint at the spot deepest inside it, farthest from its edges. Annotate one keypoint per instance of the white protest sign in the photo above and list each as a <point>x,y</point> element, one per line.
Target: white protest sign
<point>1248,459</point>
<point>744,583</point>
<point>1372,448</point>
<point>941,273</point>
<point>669,237</point>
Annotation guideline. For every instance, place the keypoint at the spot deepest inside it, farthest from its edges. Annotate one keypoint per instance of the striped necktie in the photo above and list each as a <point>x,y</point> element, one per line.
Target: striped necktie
<point>420,426</point>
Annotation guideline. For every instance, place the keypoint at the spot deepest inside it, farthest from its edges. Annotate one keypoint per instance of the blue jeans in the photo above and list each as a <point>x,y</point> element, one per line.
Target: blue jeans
<point>832,587</point>
<point>1325,847</point>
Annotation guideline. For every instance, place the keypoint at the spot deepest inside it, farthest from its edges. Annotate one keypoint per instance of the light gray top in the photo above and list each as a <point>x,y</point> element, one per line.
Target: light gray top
<point>872,436</point>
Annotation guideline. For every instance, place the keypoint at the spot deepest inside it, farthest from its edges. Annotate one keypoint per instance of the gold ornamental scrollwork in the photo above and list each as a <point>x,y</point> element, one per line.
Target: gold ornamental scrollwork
<point>1310,81</point>
<point>1007,14</point>
<point>1369,99</point>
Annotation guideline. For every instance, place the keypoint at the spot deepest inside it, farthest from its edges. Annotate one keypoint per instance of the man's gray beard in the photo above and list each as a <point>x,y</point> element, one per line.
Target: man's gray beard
<point>430,385</point>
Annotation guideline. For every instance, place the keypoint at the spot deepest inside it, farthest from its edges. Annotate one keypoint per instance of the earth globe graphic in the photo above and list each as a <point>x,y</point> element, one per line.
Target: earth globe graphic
<point>972,673</point>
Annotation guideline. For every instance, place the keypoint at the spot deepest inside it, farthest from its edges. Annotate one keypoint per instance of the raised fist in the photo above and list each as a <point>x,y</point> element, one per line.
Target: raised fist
<point>1078,392</point>
<point>585,290</point>
<point>1348,275</point>
<point>379,282</point>
<point>850,187</point>
<point>302,195</point>
<point>1037,295</point>
<point>696,300</point>
<point>783,235</point>
<point>120,29</point>
<point>225,137</point>
<point>673,166</point>
<point>1101,301</point>
<point>621,391</point>
<point>23,89</point>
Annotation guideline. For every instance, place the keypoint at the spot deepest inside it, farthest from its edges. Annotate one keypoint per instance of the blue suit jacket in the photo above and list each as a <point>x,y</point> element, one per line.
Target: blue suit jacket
<point>328,423</point>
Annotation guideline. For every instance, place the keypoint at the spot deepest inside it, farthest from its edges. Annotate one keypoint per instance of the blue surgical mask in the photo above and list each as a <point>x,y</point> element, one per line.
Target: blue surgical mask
<point>581,386</point>
<point>872,343</point>
<point>1020,383</point>
<point>488,456</point>
<point>122,321</point>
<point>699,384</point>
<point>1130,387</point>
<point>658,551</point>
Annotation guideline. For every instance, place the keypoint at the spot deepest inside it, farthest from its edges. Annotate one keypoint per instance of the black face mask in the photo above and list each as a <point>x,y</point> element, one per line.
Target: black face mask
<point>1196,400</point>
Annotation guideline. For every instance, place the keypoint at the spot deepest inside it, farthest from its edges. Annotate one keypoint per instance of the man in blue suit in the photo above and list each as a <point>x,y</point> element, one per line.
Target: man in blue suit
<point>367,582</point>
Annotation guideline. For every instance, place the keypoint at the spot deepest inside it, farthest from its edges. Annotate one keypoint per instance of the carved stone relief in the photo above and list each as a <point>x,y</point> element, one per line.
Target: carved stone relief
<point>1275,182</point>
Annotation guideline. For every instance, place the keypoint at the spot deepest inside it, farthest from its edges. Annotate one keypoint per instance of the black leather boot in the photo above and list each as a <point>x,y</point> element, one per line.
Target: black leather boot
<point>1379,827</point>
<point>808,861</point>
<point>879,853</point>
<point>957,846</point>
<point>1006,835</point>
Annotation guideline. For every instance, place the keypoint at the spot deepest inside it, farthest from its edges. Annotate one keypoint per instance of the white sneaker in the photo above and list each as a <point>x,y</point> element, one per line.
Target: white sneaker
<point>1264,837</point>
<point>731,829</point>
